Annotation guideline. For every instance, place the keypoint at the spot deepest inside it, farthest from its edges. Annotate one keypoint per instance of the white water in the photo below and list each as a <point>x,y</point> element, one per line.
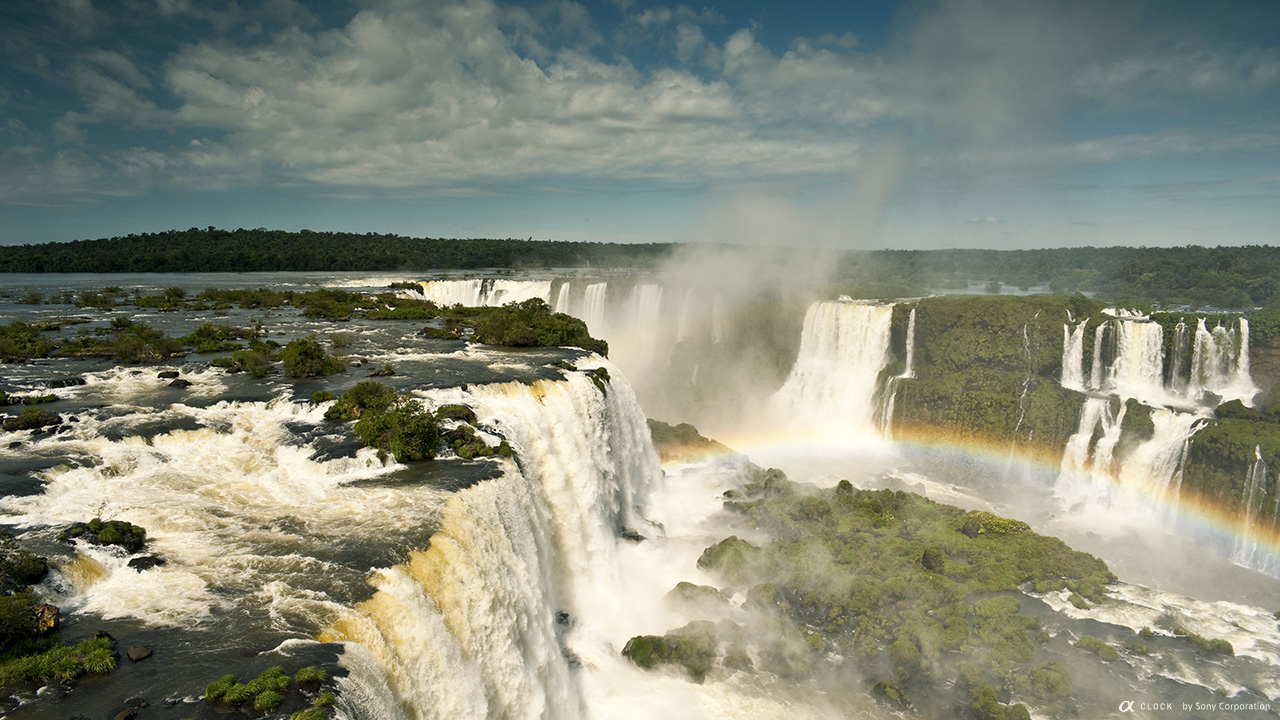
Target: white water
<point>484,293</point>
<point>468,627</point>
<point>832,386</point>
<point>1220,363</point>
<point>908,371</point>
<point>1257,496</point>
<point>1073,356</point>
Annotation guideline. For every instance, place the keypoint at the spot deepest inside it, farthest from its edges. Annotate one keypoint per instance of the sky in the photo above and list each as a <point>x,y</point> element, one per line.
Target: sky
<point>807,123</point>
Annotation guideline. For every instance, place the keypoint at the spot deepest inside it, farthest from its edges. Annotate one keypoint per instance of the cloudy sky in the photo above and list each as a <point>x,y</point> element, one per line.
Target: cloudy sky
<point>937,123</point>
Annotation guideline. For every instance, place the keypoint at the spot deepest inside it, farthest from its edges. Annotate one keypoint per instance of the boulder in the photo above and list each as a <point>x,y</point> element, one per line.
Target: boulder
<point>45,617</point>
<point>168,374</point>
<point>64,382</point>
<point>146,562</point>
<point>180,383</point>
<point>138,652</point>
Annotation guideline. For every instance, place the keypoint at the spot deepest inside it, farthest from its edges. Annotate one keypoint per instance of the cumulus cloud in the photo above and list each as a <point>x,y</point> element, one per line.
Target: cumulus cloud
<point>461,96</point>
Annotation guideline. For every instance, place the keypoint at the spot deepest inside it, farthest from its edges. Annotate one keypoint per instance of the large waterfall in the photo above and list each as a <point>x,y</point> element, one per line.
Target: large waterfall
<point>484,292</point>
<point>832,386</point>
<point>520,578</point>
<point>1128,363</point>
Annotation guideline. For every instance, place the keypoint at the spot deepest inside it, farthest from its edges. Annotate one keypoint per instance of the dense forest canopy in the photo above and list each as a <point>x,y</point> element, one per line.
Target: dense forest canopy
<point>261,250</point>
<point>1228,277</point>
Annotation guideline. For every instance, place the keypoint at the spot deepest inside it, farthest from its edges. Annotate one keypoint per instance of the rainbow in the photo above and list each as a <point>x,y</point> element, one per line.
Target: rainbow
<point>1189,512</point>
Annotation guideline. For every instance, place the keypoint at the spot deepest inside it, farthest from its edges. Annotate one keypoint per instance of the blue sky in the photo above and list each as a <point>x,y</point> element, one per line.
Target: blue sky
<point>917,124</point>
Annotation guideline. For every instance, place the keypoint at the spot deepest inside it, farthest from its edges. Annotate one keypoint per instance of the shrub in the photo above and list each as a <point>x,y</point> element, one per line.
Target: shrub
<point>268,701</point>
<point>217,689</point>
<point>311,674</point>
<point>405,429</point>
<point>305,358</point>
<point>364,396</point>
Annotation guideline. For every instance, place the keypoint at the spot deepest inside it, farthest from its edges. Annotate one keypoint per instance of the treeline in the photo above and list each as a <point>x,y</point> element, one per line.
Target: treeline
<point>261,250</point>
<point>1226,277</point>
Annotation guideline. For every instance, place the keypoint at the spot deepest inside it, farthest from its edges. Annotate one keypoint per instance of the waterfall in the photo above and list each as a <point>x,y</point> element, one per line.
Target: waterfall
<point>486,292</point>
<point>1138,371</point>
<point>1073,355</point>
<point>563,303</point>
<point>647,301</point>
<point>832,386</point>
<point>1220,363</point>
<point>1255,497</point>
<point>1154,468</point>
<point>685,327</point>
<point>1095,371</point>
<point>593,306</point>
<point>1087,467</point>
<point>1178,369</point>
<point>485,622</point>
<point>891,390</point>
<point>909,370</point>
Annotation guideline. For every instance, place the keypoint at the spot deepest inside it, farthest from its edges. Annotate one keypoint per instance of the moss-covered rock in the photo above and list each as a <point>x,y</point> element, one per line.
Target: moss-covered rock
<point>18,567</point>
<point>109,532</point>
<point>692,647</point>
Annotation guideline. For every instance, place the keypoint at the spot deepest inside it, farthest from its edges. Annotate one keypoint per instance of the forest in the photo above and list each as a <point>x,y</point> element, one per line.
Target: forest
<point>1222,277</point>
<point>261,250</point>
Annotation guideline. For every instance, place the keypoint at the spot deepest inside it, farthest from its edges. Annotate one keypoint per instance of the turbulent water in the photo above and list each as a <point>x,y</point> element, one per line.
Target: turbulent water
<point>506,588</point>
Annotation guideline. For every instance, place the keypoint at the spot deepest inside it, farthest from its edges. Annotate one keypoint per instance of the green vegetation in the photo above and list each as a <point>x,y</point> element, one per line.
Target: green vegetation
<point>916,592</point>
<point>261,250</point>
<point>367,395</point>
<point>400,425</point>
<point>32,418</point>
<point>404,428</point>
<point>109,532</point>
<point>692,647</point>
<point>211,338</point>
<point>524,324</point>
<point>682,442</point>
<point>988,368</point>
<point>7,400</point>
<point>1098,647</point>
<point>37,662</point>
<point>127,341</point>
<point>305,358</point>
<point>1219,458</point>
<point>273,689</point>
<point>20,341</point>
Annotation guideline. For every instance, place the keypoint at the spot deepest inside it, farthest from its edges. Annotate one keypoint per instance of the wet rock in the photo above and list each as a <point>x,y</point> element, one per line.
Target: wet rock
<point>126,714</point>
<point>15,444</point>
<point>45,617</point>
<point>168,374</point>
<point>180,383</point>
<point>384,372</point>
<point>104,635</point>
<point>64,382</point>
<point>146,562</point>
<point>137,653</point>
<point>631,535</point>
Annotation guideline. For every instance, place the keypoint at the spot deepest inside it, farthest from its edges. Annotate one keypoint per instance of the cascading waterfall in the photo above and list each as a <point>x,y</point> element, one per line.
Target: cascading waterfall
<point>1138,370</point>
<point>1154,467</point>
<point>1073,355</point>
<point>832,386</point>
<point>1255,497</point>
<point>908,371</point>
<point>1087,466</point>
<point>1095,370</point>
<point>593,306</point>
<point>486,292</point>
<point>1220,363</point>
<point>520,576</point>
<point>1178,362</point>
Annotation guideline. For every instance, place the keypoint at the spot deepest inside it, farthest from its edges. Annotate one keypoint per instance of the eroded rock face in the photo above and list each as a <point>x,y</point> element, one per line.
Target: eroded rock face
<point>45,618</point>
